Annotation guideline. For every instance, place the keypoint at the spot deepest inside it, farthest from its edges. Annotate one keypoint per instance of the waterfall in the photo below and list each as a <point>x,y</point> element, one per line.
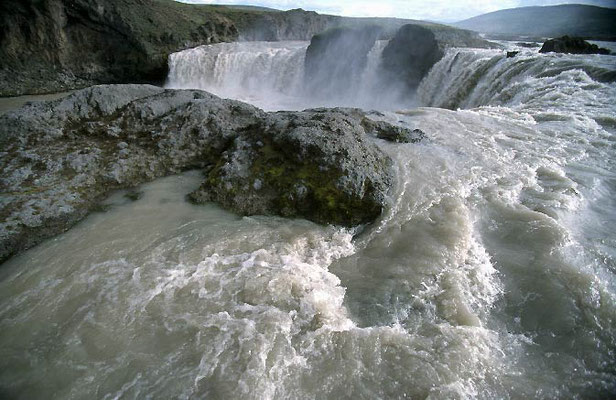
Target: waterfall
<point>370,91</point>
<point>490,275</point>
<point>468,78</point>
<point>245,71</point>
<point>271,76</point>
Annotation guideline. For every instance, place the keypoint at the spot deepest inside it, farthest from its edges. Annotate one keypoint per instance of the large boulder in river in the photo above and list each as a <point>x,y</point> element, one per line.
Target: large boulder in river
<point>316,164</point>
<point>59,159</point>
<point>415,48</point>
<point>408,57</point>
<point>571,45</point>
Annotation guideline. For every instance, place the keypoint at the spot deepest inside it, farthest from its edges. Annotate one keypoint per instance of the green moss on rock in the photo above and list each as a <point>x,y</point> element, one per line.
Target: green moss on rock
<point>282,175</point>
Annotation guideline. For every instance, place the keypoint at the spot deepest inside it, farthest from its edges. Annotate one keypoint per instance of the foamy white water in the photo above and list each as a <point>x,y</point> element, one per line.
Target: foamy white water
<point>267,73</point>
<point>270,75</point>
<point>490,275</point>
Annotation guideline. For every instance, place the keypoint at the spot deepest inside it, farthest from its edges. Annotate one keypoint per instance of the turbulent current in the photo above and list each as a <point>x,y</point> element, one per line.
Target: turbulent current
<point>491,275</point>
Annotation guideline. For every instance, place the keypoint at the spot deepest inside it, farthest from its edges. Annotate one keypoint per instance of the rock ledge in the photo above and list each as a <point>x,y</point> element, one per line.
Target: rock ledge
<point>60,158</point>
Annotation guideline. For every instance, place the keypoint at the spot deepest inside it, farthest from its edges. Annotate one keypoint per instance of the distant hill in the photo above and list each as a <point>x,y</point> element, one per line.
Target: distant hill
<point>237,7</point>
<point>589,22</point>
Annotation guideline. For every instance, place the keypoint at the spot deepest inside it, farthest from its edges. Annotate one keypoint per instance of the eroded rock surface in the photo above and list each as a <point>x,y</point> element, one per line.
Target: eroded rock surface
<point>315,164</point>
<point>60,158</point>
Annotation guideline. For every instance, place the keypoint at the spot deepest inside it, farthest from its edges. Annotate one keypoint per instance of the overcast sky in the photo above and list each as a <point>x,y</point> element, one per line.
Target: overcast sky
<point>438,10</point>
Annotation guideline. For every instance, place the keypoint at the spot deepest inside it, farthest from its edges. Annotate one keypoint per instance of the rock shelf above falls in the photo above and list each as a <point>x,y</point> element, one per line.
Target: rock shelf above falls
<point>62,157</point>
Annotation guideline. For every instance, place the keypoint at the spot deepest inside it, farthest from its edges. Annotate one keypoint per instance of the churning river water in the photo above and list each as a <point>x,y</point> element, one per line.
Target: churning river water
<point>491,275</point>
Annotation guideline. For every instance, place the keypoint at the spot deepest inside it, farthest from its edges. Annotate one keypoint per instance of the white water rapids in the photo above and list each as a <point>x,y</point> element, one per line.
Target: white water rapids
<point>491,275</point>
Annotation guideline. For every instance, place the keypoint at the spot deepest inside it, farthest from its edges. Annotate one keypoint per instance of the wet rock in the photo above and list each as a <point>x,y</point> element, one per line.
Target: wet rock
<point>528,44</point>
<point>571,45</point>
<point>133,195</point>
<point>393,133</point>
<point>61,158</point>
<point>316,164</point>
<point>408,57</point>
<point>415,48</point>
<point>511,54</point>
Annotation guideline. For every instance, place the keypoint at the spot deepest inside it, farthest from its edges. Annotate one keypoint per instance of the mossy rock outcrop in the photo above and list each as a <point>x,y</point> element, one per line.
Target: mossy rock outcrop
<point>60,158</point>
<point>318,165</point>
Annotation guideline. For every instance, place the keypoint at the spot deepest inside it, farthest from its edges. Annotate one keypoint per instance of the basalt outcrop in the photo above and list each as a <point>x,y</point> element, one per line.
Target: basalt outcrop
<point>410,54</point>
<point>571,45</point>
<point>415,48</point>
<point>60,158</point>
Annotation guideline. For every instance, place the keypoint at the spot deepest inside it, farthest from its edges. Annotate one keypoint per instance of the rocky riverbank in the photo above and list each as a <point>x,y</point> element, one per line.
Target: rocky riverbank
<point>60,158</point>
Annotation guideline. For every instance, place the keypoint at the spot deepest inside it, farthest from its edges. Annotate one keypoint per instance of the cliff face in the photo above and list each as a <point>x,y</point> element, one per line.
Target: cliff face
<point>54,45</point>
<point>415,48</point>
<point>410,54</point>
<point>290,25</point>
